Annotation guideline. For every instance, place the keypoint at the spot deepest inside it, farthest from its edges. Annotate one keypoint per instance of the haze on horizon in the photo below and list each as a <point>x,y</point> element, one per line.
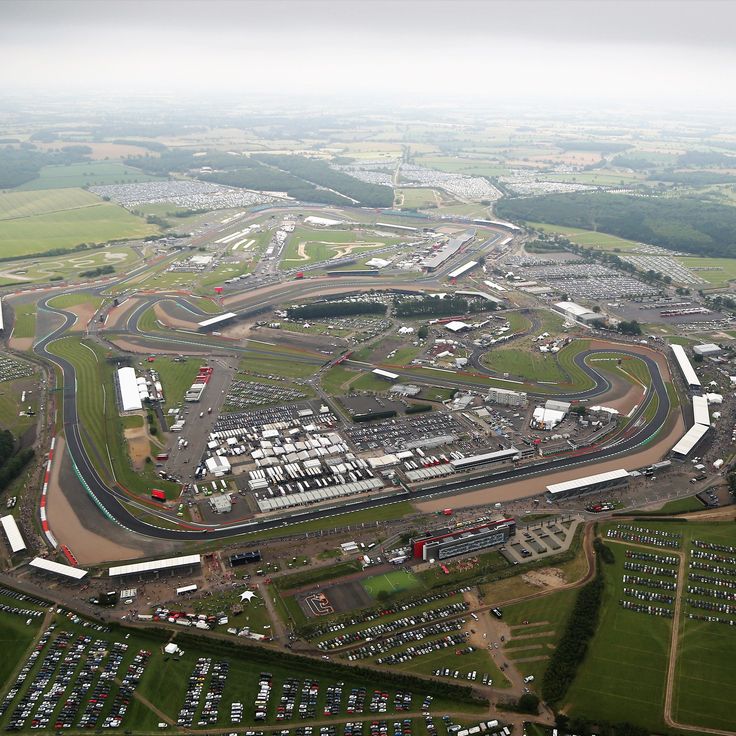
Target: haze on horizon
<point>667,52</point>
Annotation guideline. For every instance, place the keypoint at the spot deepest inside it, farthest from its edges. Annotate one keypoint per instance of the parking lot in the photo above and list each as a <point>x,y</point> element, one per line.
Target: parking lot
<point>10,369</point>
<point>425,430</point>
<point>245,394</point>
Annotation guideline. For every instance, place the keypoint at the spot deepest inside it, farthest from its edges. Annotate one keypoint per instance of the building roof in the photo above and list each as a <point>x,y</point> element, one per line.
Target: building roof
<point>2,324</point>
<point>708,347</point>
<point>385,374</point>
<point>686,367</point>
<point>13,534</point>
<point>576,310</point>
<point>129,395</point>
<point>220,503</point>
<point>217,463</point>
<point>701,414</point>
<point>456,326</point>
<point>548,416</point>
<point>217,320</point>
<point>690,439</point>
<point>167,563</point>
<point>324,221</point>
<point>58,569</point>
<point>486,457</point>
<point>481,295</point>
<point>571,485</point>
<point>460,270</point>
<point>556,405</point>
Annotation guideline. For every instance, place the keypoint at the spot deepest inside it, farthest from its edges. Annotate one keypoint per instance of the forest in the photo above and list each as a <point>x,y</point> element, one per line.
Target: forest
<point>680,224</point>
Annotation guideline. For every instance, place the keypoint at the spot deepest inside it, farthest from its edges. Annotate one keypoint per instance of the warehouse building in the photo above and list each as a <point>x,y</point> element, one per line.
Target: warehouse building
<point>386,375</point>
<point>590,484</point>
<point>707,350</point>
<point>577,312</point>
<point>441,544</point>
<point>688,372</point>
<point>221,504</point>
<point>506,397</point>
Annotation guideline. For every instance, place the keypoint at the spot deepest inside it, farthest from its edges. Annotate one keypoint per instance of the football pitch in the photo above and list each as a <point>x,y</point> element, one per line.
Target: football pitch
<point>390,582</point>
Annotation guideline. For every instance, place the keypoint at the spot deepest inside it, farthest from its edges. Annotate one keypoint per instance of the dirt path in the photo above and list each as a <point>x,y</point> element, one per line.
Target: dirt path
<point>88,547</point>
<point>278,628</point>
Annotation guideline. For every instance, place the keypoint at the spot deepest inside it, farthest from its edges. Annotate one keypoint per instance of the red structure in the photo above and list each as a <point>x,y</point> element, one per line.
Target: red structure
<point>157,495</point>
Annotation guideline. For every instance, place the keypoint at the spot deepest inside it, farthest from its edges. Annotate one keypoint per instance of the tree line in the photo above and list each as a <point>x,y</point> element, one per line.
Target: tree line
<point>334,309</point>
<point>440,307</point>
<point>573,645</point>
<point>11,462</point>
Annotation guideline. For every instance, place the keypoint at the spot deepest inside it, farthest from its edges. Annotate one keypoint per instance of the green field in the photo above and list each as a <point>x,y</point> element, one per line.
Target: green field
<point>176,377</point>
<point>625,667</point>
<point>531,365</point>
<point>93,173</point>
<point>14,205</point>
<point>416,198</point>
<point>719,278</point>
<point>705,655</point>
<point>588,238</point>
<point>68,225</point>
<point>75,299</point>
<point>531,644</point>
<point>101,423</point>
<point>15,638</point>
<point>390,583</point>
<point>10,403</point>
<point>334,379</point>
<point>25,320</point>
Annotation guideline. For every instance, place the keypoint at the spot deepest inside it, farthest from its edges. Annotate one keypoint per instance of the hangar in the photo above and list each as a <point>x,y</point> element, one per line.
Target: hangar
<point>130,399</point>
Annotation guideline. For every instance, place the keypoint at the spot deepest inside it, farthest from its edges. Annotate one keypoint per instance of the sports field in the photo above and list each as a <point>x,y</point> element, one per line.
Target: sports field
<point>390,582</point>
<point>94,173</point>
<point>30,225</point>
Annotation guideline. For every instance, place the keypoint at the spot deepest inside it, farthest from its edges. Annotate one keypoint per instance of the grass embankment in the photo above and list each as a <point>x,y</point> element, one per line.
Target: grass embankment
<point>99,419</point>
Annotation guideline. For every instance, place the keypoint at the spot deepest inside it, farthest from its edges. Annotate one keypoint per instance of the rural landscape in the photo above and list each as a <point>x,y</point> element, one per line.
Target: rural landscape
<point>339,407</point>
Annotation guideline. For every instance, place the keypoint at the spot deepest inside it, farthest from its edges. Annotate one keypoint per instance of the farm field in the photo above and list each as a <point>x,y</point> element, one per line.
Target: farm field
<point>588,238</point>
<point>726,269</point>
<point>94,173</point>
<point>458,165</point>
<point>15,204</point>
<point>94,223</point>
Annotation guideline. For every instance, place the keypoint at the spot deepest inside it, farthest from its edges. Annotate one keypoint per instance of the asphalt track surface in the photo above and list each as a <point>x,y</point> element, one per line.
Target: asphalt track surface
<point>637,434</point>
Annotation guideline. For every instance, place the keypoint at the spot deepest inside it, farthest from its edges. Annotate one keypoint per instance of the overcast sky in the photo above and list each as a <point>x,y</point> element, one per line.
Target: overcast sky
<point>626,51</point>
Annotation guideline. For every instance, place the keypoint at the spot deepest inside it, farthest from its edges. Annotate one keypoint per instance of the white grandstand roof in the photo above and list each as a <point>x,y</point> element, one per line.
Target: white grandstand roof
<point>692,437</point>
<point>571,485</point>
<point>129,395</point>
<point>324,221</point>
<point>460,270</point>
<point>385,374</point>
<point>13,534</point>
<point>216,320</point>
<point>683,361</point>
<point>2,324</point>
<point>57,569</point>
<point>168,563</point>
<point>700,410</point>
